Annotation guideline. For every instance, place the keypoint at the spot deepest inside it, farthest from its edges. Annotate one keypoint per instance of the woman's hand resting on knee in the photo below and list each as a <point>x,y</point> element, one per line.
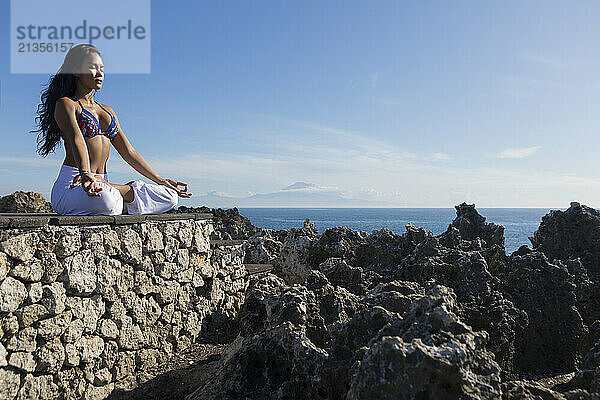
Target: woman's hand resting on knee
<point>174,184</point>
<point>88,182</point>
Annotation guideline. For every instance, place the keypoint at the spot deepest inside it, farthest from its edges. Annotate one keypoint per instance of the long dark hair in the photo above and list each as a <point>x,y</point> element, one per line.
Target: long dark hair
<point>60,85</point>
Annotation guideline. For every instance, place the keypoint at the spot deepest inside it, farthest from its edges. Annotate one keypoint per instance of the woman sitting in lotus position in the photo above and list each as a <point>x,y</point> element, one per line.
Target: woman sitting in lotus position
<point>68,110</point>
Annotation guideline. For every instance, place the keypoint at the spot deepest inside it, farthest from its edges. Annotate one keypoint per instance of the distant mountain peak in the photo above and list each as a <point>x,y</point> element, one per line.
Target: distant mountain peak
<point>299,185</point>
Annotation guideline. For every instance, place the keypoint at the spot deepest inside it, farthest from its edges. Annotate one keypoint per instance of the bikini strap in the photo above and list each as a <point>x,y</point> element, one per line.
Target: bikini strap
<point>111,116</point>
<point>101,106</point>
<point>76,98</point>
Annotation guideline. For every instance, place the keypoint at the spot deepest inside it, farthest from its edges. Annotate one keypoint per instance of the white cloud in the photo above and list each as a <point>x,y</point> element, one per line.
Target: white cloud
<point>217,193</point>
<point>519,152</point>
<point>440,157</point>
<point>345,142</point>
<point>520,83</point>
<point>311,188</point>
<point>369,193</point>
<point>560,65</point>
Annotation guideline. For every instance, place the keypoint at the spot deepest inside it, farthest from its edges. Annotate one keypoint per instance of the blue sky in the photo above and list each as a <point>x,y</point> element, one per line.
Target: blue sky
<point>410,104</point>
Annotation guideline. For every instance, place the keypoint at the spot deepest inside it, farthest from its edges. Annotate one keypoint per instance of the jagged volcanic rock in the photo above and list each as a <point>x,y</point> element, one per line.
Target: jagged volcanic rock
<point>469,258</point>
<point>570,234</point>
<point>24,202</point>
<point>293,262</point>
<point>282,361</point>
<point>556,330</point>
<point>471,225</point>
<point>264,246</point>
<point>395,369</point>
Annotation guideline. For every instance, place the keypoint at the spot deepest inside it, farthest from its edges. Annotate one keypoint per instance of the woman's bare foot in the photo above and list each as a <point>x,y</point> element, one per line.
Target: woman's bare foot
<point>125,190</point>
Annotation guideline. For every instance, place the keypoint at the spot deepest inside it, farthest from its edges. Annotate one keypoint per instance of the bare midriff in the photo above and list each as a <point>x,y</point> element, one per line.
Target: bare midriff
<point>98,149</point>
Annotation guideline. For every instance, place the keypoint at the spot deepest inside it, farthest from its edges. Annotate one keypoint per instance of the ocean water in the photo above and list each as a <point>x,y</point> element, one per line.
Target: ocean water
<point>519,223</point>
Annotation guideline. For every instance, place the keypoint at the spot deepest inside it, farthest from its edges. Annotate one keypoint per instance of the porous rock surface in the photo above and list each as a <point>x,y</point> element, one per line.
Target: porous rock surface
<point>352,315</point>
<point>24,202</point>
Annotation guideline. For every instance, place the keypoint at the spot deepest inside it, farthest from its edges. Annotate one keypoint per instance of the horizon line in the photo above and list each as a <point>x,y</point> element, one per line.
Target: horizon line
<point>384,208</point>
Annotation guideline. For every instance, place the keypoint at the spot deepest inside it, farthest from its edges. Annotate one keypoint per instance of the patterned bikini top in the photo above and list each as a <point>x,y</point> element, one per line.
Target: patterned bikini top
<point>90,126</point>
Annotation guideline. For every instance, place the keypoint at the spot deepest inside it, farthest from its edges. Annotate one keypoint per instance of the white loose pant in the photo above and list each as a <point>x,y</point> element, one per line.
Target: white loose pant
<point>147,198</point>
<point>150,198</point>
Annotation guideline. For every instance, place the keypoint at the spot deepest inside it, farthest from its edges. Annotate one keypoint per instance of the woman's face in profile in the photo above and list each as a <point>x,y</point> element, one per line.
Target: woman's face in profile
<point>92,72</point>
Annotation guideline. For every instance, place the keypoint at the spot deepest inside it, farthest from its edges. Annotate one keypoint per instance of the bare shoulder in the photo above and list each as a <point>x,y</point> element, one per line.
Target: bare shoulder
<point>64,107</point>
<point>66,103</point>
